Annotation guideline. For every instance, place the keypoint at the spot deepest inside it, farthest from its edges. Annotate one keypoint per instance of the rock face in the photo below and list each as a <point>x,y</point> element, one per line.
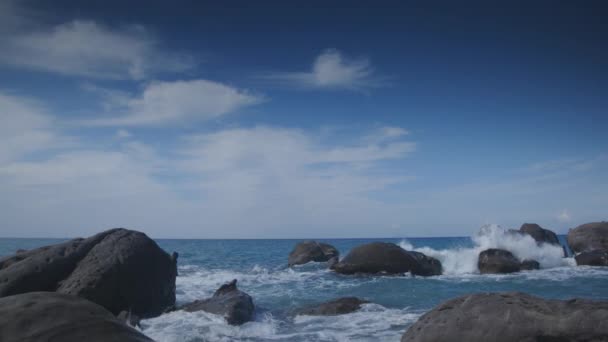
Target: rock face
<point>51,316</point>
<point>235,305</point>
<point>529,265</point>
<point>539,234</point>
<point>118,269</point>
<point>589,237</point>
<point>593,258</point>
<point>383,257</point>
<point>497,261</point>
<point>308,251</point>
<point>505,317</point>
<point>335,307</point>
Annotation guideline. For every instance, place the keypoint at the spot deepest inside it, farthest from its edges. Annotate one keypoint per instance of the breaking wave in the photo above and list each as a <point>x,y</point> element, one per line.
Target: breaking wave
<point>463,260</point>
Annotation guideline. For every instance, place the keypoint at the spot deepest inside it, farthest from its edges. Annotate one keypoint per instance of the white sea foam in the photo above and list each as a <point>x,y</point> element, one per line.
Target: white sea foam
<point>372,320</point>
<point>197,282</point>
<point>464,260</point>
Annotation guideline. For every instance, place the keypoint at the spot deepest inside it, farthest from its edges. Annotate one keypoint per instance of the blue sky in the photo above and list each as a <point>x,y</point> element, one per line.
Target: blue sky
<point>274,120</point>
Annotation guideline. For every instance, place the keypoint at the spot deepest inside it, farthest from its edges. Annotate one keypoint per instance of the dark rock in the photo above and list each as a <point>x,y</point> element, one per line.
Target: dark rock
<point>427,266</point>
<point>506,317</point>
<point>383,257</point>
<point>236,306</point>
<point>540,234</point>
<point>589,237</point>
<point>528,265</point>
<point>128,318</point>
<point>308,251</point>
<point>338,306</point>
<point>51,316</point>
<point>592,258</point>
<point>497,261</point>
<point>119,269</point>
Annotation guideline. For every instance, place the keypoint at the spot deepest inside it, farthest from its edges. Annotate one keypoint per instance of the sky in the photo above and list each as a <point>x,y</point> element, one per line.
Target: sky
<point>280,119</point>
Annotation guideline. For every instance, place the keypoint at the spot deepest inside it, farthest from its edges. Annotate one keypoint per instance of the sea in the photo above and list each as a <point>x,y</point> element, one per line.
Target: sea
<point>260,267</point>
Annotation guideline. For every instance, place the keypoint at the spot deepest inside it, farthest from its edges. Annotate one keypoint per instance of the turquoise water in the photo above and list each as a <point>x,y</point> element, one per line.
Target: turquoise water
<point>260,267</point>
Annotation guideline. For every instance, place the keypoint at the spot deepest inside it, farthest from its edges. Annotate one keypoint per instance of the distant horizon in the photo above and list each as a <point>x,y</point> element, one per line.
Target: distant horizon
<point>269,120</point>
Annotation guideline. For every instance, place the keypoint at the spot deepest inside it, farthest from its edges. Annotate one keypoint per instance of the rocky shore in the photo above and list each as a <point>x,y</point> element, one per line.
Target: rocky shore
<point>100,286</point>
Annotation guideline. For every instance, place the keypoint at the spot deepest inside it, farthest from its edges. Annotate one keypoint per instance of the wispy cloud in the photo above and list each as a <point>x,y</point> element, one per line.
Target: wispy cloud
<point>167,102</point>
<point>86,48</point>
<point>332,70</point>
<point>25,127</point>
<point>239,180</point>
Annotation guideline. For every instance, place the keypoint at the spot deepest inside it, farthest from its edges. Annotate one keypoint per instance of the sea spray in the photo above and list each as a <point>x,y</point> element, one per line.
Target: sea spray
<point>464,260</point>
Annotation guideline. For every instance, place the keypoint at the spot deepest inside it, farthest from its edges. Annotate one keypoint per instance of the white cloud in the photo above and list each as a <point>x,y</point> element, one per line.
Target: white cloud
<point>165,102</point>
<point>332,70</point>
<point>86,48</point>
<point>564,216</point>
<point>24,127</point>
<point>123,134</point>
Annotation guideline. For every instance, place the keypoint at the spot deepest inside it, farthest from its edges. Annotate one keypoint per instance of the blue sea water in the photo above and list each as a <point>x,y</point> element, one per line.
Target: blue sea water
<point>260,267</point>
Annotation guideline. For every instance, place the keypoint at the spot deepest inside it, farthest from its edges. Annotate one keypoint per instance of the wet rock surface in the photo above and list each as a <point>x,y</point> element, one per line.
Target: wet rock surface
<point>228,301</point>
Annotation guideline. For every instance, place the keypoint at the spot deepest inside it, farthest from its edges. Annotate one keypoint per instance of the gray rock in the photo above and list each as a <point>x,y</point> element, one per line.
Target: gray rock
<point>495,260</point>
<point>384,257</point>
<point>308,251</point>
<point>539,233</point>
<point>119,269</point>
<point>589,237</point>
<point>51,316</point>
<point>427,266</point>
<point>529,265</point>
<point>335,307</point>
<point>506,317</point>
<point>236,306</point>
<point>592,258</point>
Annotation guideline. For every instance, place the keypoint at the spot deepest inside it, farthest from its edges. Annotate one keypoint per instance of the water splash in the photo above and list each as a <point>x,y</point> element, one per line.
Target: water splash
<point>464,260</point>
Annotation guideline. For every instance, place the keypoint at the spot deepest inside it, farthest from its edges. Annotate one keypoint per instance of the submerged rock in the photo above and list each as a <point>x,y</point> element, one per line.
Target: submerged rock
<point>384,257</point>
<point>589,237</point>
<point>335,307</point>
<point>495,260</point>
<point>308,251</point>
<point>592,258</point>
<point>236,306</point>
<point>119,269</point>
<point>506,317</point>
<point>51,316</point>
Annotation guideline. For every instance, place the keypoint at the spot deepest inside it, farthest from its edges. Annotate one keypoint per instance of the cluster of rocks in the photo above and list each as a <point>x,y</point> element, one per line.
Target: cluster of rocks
<point>97,289</point>
<point>369,258</point>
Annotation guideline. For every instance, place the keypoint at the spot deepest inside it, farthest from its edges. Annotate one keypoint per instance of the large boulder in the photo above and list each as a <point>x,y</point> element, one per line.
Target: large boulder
<point>540,234</point>
<point>118,269</point>
<point>384,257</point>
<point>529,265</point>
<point>592,258</point>
<point>589,237</point>
<point>495,260</point>
<point>51,316</point>
<point>308,251</point>
<point>335,307</point>
<point>234,305</point>
<point>506,317</point>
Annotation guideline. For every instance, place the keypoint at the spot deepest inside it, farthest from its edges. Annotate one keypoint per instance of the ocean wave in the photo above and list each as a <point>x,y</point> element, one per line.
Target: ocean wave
<point>458,261</point>
<point>372,323</point>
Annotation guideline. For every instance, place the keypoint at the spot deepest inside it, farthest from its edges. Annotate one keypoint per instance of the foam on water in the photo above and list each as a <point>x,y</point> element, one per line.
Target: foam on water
<point>372,320</point>
<point>464,260</point>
